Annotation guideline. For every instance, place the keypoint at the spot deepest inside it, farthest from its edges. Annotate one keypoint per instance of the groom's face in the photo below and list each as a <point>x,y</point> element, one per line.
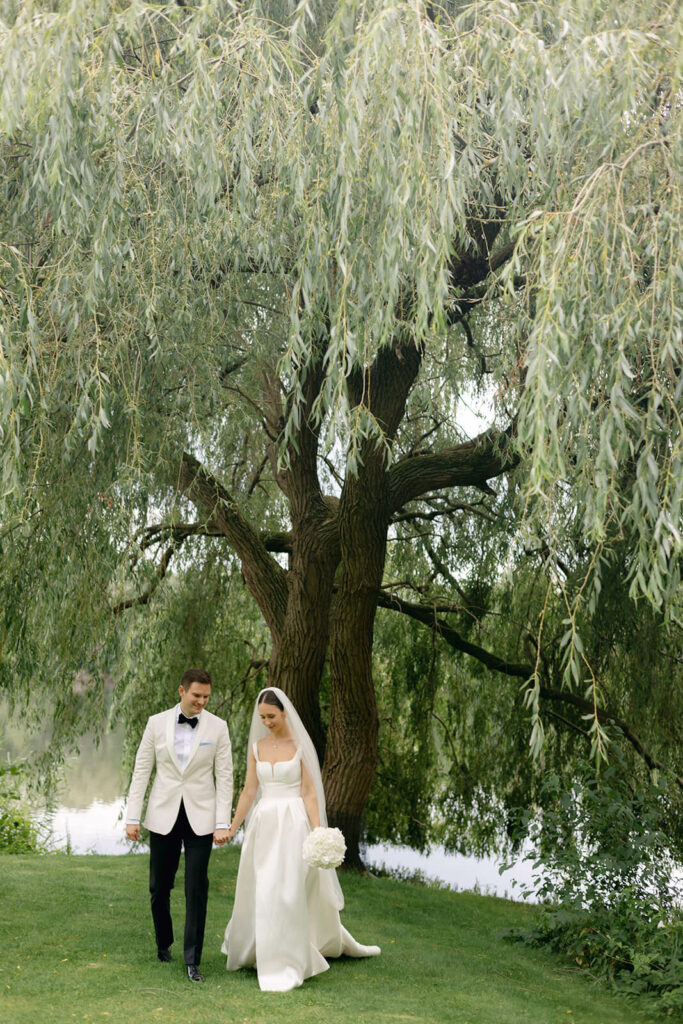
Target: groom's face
<point>195,698</point>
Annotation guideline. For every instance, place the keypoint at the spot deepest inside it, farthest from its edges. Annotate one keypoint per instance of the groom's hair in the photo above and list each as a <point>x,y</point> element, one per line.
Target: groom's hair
<point>195,675</point>
<point>268,697</point>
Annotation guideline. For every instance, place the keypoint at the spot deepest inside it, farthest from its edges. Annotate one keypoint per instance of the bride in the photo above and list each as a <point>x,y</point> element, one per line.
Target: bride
<point>285,918</point>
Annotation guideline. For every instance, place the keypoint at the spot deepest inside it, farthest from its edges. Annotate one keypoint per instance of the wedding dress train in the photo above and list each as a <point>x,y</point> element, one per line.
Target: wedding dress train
<point>285,917</point>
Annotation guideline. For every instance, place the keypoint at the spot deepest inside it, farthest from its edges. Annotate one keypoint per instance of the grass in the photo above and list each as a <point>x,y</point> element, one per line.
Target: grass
<point>78,946</point>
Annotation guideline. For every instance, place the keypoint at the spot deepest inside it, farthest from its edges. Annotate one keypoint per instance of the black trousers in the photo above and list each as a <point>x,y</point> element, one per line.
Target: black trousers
<point>164,857</point>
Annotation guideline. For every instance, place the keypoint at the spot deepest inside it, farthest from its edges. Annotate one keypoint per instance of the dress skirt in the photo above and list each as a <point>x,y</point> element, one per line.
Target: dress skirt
<point>285,917</point>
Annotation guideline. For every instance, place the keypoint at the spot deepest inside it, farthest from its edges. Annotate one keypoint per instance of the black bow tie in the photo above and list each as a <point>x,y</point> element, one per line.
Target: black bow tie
<point>190,721</point>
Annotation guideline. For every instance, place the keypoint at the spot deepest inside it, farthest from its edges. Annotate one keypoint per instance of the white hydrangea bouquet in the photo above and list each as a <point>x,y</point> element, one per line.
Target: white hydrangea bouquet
<point>324,848</point>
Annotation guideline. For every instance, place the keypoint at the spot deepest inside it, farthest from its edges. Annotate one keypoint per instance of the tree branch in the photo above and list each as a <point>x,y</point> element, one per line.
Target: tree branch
<point>263,576</point>
<point>607,718</point>
<point>443,569</point>
<point>256,665</point>
<point>298,477</point>
<point>470,464</point>
<point>145,596</point>
<point>414,448</point>
<point>472,270</point>
<point>178,532</point>
<point>427,615</point>
<point>457,642</point>
<point>278,543</point>
<point>457,506</point>
<point>384,387</point>
<point>450,740</point>
<point>471,273</point>
<point>568,723</point>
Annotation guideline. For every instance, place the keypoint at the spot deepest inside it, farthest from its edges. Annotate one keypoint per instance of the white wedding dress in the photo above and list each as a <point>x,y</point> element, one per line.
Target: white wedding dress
<point>285,917</point>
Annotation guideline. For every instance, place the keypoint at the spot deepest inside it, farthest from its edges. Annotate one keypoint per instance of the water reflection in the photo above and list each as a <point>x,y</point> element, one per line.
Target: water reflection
<point>94,773</point>
<point>86,812</point>
<point>95,828</point>
<point>480,874</point>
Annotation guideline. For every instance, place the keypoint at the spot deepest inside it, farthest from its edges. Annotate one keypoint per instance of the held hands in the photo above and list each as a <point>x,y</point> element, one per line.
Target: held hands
<point>220,836</point>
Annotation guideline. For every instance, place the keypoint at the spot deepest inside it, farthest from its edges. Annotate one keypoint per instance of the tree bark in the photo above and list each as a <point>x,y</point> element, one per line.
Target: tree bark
<point>351,758</point>
<point>297,664</point>
<point>298,661</point>
<point>364,516</point>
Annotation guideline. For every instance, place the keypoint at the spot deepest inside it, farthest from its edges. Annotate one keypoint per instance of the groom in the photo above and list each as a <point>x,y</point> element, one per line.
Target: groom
<point>189,805</point>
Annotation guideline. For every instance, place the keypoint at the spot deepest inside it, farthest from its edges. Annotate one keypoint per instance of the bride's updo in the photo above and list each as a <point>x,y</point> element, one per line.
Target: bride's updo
<point>268,697</point>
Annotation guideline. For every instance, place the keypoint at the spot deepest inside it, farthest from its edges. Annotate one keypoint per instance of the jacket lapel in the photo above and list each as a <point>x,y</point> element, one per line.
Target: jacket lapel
<point>170,737</point>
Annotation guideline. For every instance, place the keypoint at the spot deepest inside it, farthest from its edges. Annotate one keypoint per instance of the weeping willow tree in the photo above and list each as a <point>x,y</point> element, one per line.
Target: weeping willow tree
<point>253,260</point>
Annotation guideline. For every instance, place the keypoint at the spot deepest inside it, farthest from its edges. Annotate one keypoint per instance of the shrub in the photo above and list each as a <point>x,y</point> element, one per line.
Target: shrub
<point>18,831</point>
<point>606,880</point>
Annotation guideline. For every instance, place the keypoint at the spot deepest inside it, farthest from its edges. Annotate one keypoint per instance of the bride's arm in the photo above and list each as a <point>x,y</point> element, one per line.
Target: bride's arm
<point>246,797</point>
<point>308,796</point>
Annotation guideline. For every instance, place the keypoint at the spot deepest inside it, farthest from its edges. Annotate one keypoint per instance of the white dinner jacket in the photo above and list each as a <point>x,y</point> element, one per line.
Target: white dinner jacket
<point>205,786</point>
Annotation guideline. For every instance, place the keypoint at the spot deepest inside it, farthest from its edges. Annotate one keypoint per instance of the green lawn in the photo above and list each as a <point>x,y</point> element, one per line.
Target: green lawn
<point>78,946</point>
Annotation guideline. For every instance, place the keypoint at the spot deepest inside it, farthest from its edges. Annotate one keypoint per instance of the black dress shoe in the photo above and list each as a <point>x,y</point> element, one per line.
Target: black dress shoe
<point>193,973</point>
<point>164,955</point>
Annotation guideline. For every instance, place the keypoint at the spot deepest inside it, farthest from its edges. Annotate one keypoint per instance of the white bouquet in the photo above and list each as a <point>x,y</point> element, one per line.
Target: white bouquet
<point>324,848</point>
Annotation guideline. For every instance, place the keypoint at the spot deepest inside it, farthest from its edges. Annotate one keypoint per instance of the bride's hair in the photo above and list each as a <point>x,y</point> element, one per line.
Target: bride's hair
<point>268,697</point>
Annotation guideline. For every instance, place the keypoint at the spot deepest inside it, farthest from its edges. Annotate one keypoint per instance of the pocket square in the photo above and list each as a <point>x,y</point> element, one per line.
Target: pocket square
<point>206,743</point>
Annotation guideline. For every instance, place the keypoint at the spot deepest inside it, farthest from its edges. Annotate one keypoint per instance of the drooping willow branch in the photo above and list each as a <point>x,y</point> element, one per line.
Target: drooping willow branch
<point>428,616</point>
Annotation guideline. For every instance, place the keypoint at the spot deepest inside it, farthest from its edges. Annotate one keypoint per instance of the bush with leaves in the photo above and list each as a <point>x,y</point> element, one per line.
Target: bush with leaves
<point>607,883</point>
<point>18,831</point>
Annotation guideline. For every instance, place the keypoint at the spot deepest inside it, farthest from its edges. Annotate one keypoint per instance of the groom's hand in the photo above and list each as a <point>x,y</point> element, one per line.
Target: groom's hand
<point>133,832</point>
<point>220,836</point>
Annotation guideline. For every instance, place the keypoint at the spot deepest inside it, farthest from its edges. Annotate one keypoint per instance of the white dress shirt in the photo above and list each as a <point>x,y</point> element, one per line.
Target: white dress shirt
<point>184,736</point>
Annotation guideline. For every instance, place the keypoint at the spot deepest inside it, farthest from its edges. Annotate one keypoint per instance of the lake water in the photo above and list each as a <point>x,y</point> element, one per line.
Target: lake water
<point>99,828</point>
<point>88,818</point>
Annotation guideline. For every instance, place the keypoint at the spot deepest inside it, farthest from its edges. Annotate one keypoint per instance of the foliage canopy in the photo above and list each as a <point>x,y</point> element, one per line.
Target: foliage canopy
<point>253,260</point>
